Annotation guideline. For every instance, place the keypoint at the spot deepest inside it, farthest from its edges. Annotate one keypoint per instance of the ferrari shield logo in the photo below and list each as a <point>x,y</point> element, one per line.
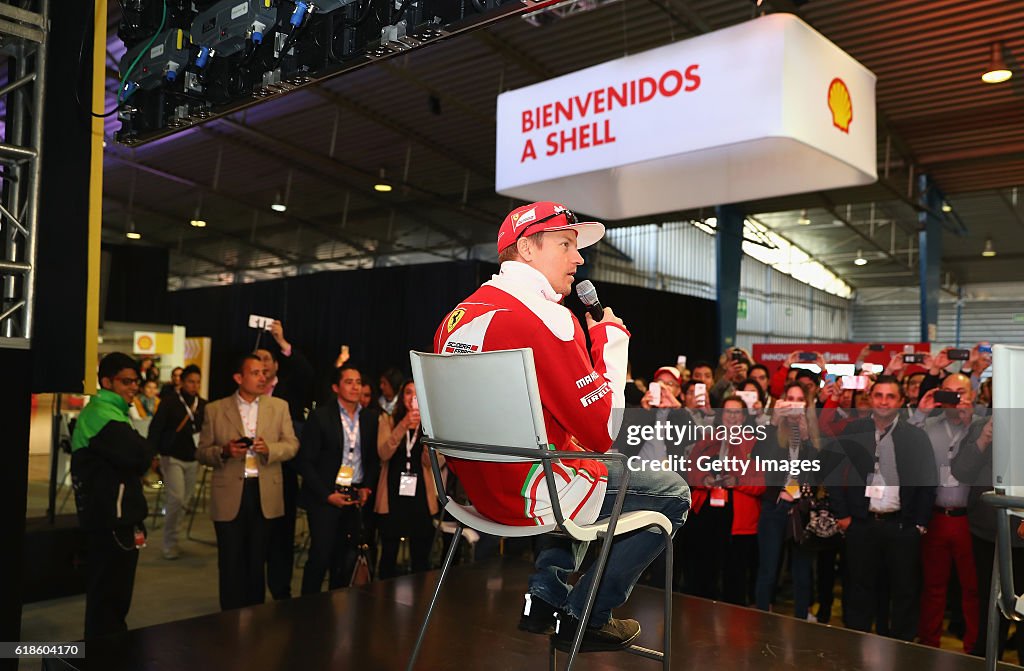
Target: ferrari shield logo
<point>454,318</point>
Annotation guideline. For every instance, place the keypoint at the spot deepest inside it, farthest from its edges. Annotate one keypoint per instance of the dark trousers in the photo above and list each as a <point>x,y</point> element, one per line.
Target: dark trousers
<point>771,542</point>
<point>984,553</point>
<point>879,549</point>
<point>334,534</point>
<point>827,560</point>
<point>281,544</point>
<point>242,551</point>
<point>419,551</point>
<point>728,565</point>
<point>110,579</point>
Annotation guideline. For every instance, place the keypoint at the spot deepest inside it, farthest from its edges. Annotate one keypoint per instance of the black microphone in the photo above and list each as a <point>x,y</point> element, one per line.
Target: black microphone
<point>588,296</point>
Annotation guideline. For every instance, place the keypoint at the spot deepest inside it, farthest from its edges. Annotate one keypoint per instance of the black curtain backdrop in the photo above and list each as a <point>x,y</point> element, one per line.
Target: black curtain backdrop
<point>383,313</point>
<point>136,284</point>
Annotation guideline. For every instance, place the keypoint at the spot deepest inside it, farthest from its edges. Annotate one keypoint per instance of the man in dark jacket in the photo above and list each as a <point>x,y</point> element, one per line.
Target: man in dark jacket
<point>174,433</point>
<point>337,435</point>
<point>884,506</point>
<point>107,463</point>
<point>290,378</point>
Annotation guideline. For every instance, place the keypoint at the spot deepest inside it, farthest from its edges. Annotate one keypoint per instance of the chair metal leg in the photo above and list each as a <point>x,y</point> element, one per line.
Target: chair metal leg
<point>433,601</point>
<point>666,660</point>
<point>598,569</point>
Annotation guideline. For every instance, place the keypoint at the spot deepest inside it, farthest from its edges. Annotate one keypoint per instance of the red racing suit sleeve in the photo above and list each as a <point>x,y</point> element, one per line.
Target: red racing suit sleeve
<point>581,397</point>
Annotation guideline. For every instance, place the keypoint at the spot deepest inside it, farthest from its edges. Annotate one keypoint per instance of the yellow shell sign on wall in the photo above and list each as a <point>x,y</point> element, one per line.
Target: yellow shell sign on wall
<point>151,342</point>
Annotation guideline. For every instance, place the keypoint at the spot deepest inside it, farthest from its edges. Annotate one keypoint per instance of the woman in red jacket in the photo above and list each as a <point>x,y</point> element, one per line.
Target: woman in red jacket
<point>725,508</point>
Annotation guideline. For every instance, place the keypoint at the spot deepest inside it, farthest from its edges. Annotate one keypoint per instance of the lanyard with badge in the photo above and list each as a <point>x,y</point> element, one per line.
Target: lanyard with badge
<point>719,494</point>
<point>408,479</point>
<point>347,471</point>
<point>876,483</point>
<point>192,416</point>
<point>946,478</point>
<point>793,484</point>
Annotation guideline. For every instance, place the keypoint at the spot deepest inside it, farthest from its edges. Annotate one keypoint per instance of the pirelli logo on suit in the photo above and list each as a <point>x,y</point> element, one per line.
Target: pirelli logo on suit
<point>596,395</point>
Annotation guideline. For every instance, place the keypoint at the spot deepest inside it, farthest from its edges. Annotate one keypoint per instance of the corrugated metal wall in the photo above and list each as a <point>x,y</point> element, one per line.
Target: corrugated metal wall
<point>981,320</point>
<point>679,257</point>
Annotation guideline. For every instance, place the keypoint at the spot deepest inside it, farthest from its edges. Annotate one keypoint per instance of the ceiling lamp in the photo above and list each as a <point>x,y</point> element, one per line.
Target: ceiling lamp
<point>131,233</point>
<point>197,220</point>
<point>860,260</point>
<point>997,70</point>
<point>803,220</point>
<point>278,204</point>
<point>382,185</point>
<point>989,250</point>
<point>946,207</point>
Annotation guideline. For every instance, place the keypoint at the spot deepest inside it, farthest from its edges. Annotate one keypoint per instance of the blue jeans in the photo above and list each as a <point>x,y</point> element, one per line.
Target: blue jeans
<point>663,492</point>
<point>771,539</point>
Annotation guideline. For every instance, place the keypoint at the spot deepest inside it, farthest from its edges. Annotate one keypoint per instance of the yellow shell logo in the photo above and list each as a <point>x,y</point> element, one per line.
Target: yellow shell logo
<point>840,105</point>
<point>145,342</point>
<point>454,318</point>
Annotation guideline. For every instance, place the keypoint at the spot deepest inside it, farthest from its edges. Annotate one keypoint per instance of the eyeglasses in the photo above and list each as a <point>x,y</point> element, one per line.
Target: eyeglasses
<point>128,381</point>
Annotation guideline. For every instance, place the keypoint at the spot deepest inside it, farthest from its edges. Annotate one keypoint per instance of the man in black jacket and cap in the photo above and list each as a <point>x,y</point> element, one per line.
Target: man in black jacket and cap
<point>108,460</point>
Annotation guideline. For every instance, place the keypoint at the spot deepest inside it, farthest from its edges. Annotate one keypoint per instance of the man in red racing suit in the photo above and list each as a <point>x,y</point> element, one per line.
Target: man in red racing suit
<point>520,307</point>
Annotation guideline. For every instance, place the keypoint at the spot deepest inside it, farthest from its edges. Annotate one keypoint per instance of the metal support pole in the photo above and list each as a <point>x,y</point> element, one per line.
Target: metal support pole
<point>929,257</point>
<point>35,169</point>
<point>728,258</point>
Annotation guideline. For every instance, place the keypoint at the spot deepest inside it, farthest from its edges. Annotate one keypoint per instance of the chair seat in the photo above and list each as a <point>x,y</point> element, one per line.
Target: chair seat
<point>628,522</point>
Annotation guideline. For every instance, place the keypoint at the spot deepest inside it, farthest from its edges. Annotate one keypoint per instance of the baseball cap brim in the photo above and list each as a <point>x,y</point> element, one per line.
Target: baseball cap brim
<point>587,232</point>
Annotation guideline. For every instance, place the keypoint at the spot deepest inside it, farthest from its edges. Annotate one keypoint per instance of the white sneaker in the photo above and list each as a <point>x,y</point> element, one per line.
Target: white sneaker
<point>811,617</point>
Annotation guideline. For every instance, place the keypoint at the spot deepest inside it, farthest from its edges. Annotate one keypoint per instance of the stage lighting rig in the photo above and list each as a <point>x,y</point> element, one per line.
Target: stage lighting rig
<point>188,61</point>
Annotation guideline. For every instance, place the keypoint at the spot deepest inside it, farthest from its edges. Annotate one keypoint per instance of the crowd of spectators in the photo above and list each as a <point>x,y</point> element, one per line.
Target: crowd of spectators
<point>903,454</point>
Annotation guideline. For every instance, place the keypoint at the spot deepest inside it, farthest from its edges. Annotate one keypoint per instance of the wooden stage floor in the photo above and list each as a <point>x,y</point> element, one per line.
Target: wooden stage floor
<point>373,628</point>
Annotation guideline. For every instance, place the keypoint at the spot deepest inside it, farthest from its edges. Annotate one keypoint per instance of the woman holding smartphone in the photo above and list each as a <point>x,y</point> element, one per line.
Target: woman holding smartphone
<point>406,495</point>
<point>793,435</point>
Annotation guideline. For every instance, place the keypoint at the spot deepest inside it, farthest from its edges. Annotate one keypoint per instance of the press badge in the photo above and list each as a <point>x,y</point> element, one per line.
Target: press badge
<point>793,489</point>
<point>344,476</point>
<point>195,438</point>
<point>407,484</point>
<point>719,497</point>
<point>876,487</point>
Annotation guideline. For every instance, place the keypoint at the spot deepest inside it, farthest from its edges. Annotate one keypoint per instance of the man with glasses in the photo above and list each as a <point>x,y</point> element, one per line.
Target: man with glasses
<point>108,459</point>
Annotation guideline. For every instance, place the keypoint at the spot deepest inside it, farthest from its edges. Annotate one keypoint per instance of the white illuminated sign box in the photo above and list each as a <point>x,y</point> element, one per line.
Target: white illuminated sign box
<point>765,108</point>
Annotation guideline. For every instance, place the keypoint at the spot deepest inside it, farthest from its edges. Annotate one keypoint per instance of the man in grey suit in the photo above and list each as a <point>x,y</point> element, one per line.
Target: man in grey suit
<point>245,437</point>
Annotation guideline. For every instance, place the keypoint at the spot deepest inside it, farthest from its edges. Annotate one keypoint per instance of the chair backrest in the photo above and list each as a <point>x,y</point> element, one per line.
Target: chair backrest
<point>483,399</point>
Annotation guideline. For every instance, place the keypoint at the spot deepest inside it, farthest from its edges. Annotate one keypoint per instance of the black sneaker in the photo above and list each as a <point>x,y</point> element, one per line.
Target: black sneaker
<point>614,635</point>
<point>538,616</point>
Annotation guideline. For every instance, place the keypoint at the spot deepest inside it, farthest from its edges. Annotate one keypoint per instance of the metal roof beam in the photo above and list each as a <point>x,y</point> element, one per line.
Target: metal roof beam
<point>329,168</point>
<point>117,155</point>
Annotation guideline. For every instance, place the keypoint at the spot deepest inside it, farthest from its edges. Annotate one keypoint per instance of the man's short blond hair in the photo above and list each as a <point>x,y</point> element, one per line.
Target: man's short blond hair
<point>511,253</point>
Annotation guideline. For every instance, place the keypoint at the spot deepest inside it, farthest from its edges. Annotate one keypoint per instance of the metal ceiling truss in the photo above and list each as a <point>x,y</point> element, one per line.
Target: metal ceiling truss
<point>24,35</point>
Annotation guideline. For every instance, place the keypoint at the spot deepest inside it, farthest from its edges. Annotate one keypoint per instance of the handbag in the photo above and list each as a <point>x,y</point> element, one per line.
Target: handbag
<point>821,529</point>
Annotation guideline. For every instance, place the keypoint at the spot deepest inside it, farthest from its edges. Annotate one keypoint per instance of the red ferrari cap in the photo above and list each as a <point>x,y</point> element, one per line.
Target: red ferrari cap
<point>546,216</point>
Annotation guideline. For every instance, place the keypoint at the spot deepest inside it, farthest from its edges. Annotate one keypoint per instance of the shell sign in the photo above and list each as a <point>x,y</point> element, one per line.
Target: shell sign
<point>840,105</point>
<point>151,342</point>
<point>725,117</point>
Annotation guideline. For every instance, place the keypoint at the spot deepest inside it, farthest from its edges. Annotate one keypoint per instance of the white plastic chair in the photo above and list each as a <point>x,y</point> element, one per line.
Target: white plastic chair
<point>486,407</point>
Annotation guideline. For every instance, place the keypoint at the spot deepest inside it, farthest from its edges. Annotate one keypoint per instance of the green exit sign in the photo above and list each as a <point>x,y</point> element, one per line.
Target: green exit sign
<point>741,309</point>
<point>1018,317</point>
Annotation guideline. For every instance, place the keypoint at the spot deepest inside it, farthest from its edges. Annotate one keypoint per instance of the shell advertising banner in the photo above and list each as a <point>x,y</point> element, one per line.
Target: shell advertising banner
<point>765,108</point>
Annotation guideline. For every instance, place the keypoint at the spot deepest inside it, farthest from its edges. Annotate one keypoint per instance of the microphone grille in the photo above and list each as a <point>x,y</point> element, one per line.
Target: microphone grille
<point>587,292</point>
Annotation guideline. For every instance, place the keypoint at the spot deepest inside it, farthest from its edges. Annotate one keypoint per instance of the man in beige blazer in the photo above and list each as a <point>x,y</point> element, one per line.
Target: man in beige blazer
<point>245,437</point>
